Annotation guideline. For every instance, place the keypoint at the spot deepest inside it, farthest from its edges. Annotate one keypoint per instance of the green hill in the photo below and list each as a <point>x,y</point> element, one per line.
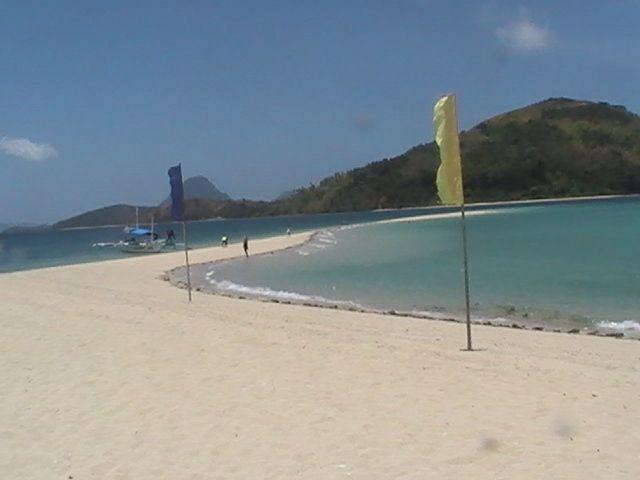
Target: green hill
<point>556,148</point>
<point>112,215</point>
<point>195,209</point>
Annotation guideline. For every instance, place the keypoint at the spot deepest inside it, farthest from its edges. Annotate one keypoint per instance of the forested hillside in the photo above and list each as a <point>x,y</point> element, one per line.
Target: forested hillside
<point>555,148</point>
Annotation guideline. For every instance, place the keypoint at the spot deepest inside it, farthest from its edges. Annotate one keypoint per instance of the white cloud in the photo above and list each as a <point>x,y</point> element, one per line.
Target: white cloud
<point>523,35</point>
<point>26,149</point>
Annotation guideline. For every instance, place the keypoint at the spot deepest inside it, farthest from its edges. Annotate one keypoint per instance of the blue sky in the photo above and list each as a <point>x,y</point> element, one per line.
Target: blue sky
<point>98,99</point>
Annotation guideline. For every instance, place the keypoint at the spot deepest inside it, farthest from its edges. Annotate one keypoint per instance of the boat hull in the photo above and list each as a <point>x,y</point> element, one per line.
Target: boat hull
<point>143,248</point>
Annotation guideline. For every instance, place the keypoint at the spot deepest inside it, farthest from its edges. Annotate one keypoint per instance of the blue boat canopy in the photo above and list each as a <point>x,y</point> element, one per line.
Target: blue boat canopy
<point>138,231</point>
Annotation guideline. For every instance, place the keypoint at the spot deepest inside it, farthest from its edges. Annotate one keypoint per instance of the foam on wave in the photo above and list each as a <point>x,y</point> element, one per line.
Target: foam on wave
<point>625,325</point>
<point>227,286</point>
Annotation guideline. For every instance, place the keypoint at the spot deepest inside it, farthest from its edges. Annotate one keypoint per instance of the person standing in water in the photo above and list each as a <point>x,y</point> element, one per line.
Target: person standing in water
<point>245,246</point>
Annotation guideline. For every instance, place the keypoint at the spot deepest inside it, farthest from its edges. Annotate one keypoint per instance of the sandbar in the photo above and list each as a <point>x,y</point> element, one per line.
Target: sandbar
<point>109,372</point>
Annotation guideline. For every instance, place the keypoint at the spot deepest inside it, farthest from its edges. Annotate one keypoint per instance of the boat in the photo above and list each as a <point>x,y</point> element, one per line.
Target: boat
<point>143,240</point>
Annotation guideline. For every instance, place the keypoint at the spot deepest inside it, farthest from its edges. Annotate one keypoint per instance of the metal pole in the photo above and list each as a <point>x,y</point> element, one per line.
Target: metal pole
<point>464,241</point>
<point>186,256</point>
<point>466,275</point>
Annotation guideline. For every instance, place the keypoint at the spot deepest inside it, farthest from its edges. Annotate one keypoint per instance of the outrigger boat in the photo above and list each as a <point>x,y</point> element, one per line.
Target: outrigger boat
<point>142,240</point>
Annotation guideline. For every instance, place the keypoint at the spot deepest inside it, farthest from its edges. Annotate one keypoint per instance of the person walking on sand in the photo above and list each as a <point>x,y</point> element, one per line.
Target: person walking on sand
<point>245,246</point>
<point>171,239</point>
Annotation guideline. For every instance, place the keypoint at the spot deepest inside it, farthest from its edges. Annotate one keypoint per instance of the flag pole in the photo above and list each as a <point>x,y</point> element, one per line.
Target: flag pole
<point>464,245</point>
<point>186,256</point>
<point>177,212</point>
<point>449,181</point>
<point>466,275</point>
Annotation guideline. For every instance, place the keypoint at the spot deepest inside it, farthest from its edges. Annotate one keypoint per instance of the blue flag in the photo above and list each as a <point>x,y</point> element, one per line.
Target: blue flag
<point>177,193</point>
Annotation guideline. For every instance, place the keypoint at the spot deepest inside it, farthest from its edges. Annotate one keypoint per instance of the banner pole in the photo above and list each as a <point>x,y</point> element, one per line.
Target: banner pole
<point>449,178</point>
<point>466,275</point>
<point>186,256</point>
<point>464,241</point>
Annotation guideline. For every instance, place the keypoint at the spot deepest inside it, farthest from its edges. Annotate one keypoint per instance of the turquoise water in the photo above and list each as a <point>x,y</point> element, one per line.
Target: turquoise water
<point>63,247</point>
<point>558,266</point>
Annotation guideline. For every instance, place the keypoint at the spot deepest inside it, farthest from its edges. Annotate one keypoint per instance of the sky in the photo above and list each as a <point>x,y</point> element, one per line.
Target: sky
<point>99,99</point>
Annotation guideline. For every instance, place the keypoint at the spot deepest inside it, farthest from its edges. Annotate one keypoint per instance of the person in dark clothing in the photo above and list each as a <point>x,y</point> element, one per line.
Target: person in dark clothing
<point>245,246</point>
<point>171,238</point>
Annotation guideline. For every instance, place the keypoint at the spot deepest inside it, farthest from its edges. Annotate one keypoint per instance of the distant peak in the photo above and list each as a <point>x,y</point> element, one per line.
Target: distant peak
<point>200,186</point>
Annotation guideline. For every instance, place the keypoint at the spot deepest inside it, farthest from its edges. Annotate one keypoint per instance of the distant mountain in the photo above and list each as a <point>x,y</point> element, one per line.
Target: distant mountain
<point>200,209</point>
<point>555,148</point>
<point>199,187</point>
<point>194,209</point>
<point>23,228</point>
<point>194,188</point>
<point>112,215</point>
<point>15,228</point>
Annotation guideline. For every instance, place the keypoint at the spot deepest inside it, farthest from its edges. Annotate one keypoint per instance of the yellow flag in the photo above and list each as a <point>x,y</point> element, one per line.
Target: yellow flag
<point>445,132</point>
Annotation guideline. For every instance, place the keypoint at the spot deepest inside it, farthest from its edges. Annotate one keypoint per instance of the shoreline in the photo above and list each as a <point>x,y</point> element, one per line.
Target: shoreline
<point>429,211</point>
<point>109,372</point>
<point>177,278</point>
<point>308,235</point>
<point>502,203</point>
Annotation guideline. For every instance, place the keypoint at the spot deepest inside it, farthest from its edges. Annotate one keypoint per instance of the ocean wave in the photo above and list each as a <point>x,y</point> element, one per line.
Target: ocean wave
<point>630,328</point>
<point>331,240</point>
<point>625,325</point>
<point>326,236</point>
<point>320,241</point>
<point>431,314</point>
<point>351,226</point>
<point>443,314</point>
<point>105,244</point>
<point>227,286</point>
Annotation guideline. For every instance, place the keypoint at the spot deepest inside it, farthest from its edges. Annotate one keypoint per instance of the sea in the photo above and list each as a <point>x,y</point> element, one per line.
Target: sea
<point>571,266</point>
<point>566,266</point>
<point>49,248</point>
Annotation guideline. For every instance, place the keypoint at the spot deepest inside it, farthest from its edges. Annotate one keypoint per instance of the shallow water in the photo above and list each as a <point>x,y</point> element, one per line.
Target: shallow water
<point>559,266</point>
<point>64,247</point>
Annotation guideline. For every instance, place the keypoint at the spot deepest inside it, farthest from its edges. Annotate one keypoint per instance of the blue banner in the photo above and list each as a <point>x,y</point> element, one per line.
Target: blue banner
<point>177,193</point>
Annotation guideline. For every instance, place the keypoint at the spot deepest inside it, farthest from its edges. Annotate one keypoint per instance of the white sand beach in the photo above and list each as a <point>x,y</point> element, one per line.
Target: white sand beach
<point>108,372</point>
